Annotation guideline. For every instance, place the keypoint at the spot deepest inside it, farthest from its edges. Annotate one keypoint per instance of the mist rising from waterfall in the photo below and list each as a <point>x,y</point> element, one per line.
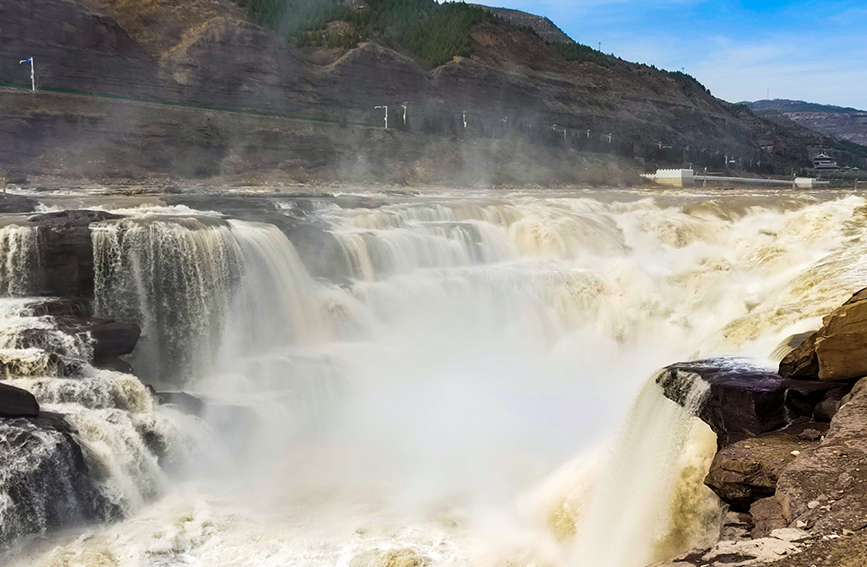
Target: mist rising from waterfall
<point>477,344</point>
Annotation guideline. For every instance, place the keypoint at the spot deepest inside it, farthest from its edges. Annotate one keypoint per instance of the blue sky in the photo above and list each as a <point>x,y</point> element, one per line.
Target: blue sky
<point>804,50</point>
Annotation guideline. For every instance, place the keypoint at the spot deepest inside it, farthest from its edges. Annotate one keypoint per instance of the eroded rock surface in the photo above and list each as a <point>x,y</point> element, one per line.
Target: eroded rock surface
<point>837,351</point>
<point>825,490</point>
<point>748,470</point>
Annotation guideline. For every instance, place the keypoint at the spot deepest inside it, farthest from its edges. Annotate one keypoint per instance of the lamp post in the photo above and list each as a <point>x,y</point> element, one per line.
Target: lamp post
<point>464,118</point>
<point>404,106</point>
<point>32,71</point>
<point>385,108</point>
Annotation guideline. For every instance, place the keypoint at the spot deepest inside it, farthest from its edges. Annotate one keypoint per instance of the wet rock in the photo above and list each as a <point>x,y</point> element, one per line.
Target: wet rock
<point>62,306</point>
<point>736,526</point>
<point>185,402</point>
<point>748,470</point>
<point>743,399</point>
<point>16,203</point>
<point>46,479</point>
<point>108,339</point>
<point>66,252</point>
<point>837,351</point>
<point>802,361</point>
<point>15,402</point>
<point>746,553</point>
<point>111,339</point>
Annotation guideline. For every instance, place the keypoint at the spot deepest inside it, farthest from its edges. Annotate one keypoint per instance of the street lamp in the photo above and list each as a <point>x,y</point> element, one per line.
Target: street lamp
<point>32,71</point>
<point>385,108</point>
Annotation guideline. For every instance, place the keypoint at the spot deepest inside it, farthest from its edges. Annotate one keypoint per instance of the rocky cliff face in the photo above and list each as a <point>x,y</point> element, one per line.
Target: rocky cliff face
<point>76,48</point>
<point>803,481</point>
<point>843,123</point>
<point>205,52</point>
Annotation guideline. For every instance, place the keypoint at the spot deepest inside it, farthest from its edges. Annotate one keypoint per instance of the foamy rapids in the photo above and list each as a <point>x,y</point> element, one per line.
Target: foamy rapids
<point>476,389</point>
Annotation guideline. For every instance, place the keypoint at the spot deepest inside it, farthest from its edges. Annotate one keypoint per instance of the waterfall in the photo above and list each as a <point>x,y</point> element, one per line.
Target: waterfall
<point>172,276</point>
<point>19,260</point>
<point>480,342</point>
<point>127,441</point>
<point>632,501</point>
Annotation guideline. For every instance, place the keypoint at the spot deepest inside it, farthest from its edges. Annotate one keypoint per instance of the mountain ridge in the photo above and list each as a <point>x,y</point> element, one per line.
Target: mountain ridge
<point>209,52</point>
<point>844,123</point>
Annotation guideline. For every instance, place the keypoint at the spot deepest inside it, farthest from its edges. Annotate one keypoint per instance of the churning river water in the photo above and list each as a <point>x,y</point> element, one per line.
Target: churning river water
<point>472,387</point>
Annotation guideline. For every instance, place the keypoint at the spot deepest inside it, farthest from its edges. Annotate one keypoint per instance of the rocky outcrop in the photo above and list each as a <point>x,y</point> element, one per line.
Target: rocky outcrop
<point>17,203</point>
<point>47,478</point>
<point>15,402</point>
<point>106,340</point>
<point>66,252</point>
<point>230,62</point>
<point>837,351</point>
<point>825,490</point>
<point>747,471</point>
<point>778,545</point>
<point>805,486</point>
<point>742,399</point>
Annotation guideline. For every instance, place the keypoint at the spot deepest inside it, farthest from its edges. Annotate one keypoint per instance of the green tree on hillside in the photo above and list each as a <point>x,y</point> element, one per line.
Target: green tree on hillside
<point>435,33</point>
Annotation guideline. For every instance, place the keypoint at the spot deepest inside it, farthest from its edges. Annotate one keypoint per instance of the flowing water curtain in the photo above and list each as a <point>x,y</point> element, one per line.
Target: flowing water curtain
<point>20,260</point>
<point>633,500</point>
<point>175,278</point>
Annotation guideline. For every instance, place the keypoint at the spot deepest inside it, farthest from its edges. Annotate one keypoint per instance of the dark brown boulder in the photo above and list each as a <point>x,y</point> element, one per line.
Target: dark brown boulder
<point>112,339</point>
<point>802,362</point>
<point>742,400</point>
<point>185,402</point>
<point>15,402</point>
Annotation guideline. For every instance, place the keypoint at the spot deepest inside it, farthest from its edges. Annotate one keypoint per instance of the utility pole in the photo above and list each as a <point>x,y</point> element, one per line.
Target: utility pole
<point>600,46</point>
<point>385,108</point>
<point>32,71</point>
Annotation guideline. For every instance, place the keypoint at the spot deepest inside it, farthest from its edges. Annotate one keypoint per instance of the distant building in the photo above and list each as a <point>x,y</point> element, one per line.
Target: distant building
<point>824,162</point>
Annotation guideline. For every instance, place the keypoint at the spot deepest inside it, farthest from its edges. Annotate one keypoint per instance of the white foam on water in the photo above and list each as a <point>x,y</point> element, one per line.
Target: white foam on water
<point>480,344</point>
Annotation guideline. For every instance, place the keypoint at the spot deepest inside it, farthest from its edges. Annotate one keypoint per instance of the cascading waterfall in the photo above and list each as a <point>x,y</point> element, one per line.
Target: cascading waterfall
<point>478,344</point>
<point>20,255</point>
<point>172,276</point>
<point>127,442</point>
